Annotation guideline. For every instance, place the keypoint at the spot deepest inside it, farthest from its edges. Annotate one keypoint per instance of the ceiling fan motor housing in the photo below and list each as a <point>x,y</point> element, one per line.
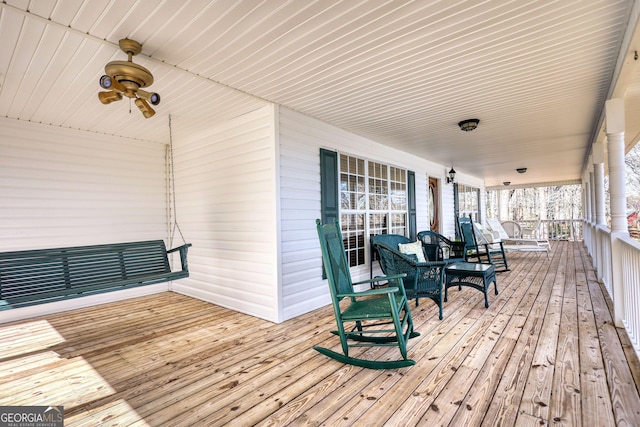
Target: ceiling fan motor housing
<point>126,78</point>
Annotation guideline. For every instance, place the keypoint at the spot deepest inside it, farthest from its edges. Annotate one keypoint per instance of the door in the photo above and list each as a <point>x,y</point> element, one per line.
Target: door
<point>434,205</point>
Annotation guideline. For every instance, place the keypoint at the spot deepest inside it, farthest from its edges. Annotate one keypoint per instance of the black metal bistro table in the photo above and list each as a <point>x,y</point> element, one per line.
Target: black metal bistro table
<point>472,274</point>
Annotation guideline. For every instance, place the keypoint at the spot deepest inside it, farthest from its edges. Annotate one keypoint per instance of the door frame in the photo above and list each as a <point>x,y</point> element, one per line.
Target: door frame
<point>434,199</point>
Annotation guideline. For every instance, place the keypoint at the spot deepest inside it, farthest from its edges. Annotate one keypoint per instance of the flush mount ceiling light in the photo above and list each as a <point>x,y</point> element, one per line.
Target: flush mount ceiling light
<point>521,170</point>
<point>468,125</point>
<point>126,78</point>
<point>506,183</point>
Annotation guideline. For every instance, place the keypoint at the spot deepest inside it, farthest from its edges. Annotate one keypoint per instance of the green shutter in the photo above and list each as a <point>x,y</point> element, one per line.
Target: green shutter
<point>411,204</point>
<point>329,191</point>
<point>329,186</point>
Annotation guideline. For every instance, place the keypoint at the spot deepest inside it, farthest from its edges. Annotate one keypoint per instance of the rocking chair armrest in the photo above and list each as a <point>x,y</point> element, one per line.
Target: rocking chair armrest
<point>381,278</point>
<point>370,292</point>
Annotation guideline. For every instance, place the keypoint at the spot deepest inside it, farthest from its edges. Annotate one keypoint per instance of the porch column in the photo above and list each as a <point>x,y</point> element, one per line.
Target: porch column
<point>586,223</point>
<point>587,197</point>
<point>592,196</point>
<point>617,176</point>
<point>600,220</point>
<point>504,204</point>
<point>598,178</point>
<point>618,200</point>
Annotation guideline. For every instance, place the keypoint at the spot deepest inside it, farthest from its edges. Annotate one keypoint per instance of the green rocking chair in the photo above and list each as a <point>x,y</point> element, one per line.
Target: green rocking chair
<point>379,316</point>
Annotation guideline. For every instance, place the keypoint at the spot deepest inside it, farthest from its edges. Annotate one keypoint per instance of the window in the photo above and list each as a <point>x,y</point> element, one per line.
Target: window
<point>469,202</point>
<point>373,200</point>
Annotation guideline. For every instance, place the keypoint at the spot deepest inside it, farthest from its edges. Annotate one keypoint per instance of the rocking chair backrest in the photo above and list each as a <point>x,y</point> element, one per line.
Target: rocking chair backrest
<point>392,261</point>
<point>467,233</point>
<point>391,240</point>
<point>431,244</point>
<point>334,258</point>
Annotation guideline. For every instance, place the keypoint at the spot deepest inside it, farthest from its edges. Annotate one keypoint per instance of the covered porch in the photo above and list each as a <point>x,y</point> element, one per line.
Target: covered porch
<point>545,352</point>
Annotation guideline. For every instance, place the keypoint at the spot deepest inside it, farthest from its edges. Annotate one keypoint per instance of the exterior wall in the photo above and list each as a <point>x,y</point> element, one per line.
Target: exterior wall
<point>61,187</point>
<point>247,193</point>
<point>300,139</point>
<point>225,179</point>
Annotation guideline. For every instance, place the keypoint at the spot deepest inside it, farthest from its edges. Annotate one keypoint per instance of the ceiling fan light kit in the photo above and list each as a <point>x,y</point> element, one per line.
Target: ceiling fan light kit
<point>126,78</point>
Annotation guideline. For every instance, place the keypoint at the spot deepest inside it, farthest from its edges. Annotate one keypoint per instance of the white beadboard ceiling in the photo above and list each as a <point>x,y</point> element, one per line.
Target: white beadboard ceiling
<point>403,73</point>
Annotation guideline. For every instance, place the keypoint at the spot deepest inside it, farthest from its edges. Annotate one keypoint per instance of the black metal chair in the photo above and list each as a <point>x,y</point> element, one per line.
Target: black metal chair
<point>477,250</point>
<point>439,248</point>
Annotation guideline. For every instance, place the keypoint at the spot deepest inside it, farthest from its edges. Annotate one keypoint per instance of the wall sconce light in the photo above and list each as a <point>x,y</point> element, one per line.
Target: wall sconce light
<point>506,183</point>
<point>521,170</point>
<point>452,176</point>
<point>468,125</point>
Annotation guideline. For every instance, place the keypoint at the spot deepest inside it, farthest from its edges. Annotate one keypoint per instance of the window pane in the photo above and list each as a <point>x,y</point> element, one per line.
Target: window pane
<point>468,202</point>
<point>352,189</point>
<point>398,223</point>
<point>378,187</point>
<point>378,224</point>
<point>398,189</point>
<point>352,226</point>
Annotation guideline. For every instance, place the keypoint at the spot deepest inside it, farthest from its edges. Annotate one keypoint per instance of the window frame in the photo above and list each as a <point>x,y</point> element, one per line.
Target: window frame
<point>391,218</point>
<point>468,203</point>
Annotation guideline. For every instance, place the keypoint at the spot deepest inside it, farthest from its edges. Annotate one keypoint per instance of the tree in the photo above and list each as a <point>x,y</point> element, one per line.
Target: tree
<point>632,161</point>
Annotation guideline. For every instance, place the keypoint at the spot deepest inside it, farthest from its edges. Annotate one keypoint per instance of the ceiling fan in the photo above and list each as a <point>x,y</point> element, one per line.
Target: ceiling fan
<point>126,78</point>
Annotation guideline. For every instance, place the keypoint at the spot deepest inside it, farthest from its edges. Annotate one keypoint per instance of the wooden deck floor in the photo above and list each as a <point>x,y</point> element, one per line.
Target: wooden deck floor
<point>544,353</point>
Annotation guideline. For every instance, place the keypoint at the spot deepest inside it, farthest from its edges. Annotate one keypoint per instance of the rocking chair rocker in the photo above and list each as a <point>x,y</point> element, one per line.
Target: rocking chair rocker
<point>379,316</point>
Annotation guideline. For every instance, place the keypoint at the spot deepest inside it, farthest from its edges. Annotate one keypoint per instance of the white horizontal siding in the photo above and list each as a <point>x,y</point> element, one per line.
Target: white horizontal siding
<point>301,138</point>
<point>226,198</point>
<point>61,187</point>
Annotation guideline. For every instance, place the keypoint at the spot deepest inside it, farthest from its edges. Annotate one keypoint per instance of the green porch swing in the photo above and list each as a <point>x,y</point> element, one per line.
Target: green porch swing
<point>47,275</point>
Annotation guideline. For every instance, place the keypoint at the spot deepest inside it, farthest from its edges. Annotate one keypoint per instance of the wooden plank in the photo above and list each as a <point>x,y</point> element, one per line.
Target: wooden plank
<point>317,407</point>
<point>518,338</point>
<point>448,401</point>
<point>620,380</point>
<point>536,394</point>
<point>627,347</point>
<point>594,391</point>
<point>232,364</point>
<point>503,408</point>
<point>326,408</point>
<point>565,405</point>
<point>321,407</point>
<point>453,354</point>
<point>466,403</point>
<point>168,359</point>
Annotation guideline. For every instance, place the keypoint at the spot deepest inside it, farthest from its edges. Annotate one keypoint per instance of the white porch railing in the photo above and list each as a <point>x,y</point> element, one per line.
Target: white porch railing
<point>598,241</point>
<point>631,289</point>
<point>556,229</point>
